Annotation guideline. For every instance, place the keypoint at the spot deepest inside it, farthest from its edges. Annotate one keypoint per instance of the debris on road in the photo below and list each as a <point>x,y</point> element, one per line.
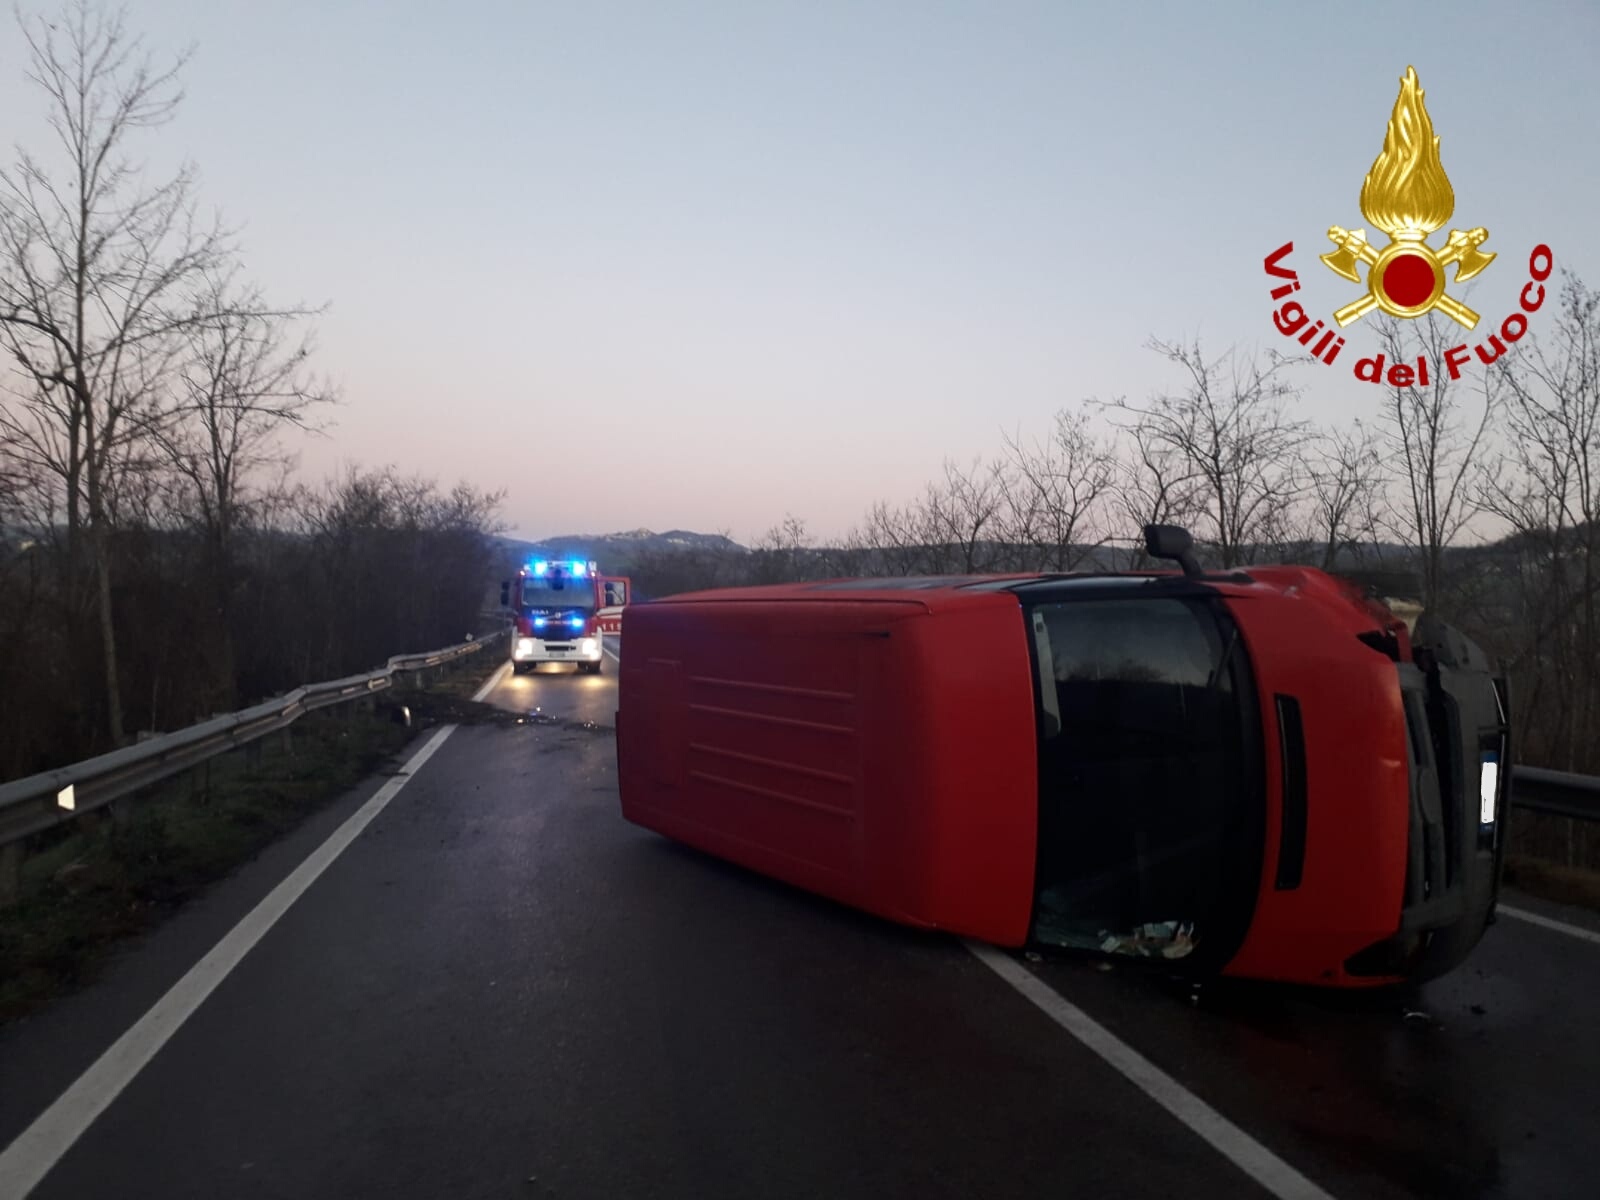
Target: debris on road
<point>1167,939</point>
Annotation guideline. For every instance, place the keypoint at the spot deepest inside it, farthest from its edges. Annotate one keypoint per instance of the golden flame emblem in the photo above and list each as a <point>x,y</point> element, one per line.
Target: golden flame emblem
<point>1408,196</point>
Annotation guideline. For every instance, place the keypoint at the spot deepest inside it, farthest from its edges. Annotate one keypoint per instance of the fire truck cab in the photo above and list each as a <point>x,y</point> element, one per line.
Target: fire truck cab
<point>560,609</point>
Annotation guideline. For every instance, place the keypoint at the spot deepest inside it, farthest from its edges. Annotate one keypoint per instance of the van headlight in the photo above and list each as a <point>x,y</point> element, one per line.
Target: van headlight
<point>1488,788</point>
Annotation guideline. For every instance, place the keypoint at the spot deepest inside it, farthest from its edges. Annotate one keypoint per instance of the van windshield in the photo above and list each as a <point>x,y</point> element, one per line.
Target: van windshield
<point>1151,817</point>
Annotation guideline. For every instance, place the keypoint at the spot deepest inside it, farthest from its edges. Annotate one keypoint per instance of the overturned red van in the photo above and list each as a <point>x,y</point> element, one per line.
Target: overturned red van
<point>1256,773</point>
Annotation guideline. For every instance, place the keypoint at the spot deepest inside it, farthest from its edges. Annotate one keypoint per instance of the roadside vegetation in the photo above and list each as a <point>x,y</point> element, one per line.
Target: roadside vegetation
<point>92,884</point>
<point>159,562</point>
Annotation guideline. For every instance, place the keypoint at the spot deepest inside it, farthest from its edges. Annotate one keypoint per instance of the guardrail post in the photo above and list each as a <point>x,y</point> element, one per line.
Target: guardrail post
<point>10,873</point>
<point>288,741</point>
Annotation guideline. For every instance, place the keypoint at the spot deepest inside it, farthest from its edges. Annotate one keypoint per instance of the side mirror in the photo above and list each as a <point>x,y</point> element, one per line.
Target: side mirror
<point>505,593</point>
<point>1171,542</point>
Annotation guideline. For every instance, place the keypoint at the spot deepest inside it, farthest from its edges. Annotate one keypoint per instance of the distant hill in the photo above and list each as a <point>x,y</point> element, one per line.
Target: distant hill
<point>616,552</point>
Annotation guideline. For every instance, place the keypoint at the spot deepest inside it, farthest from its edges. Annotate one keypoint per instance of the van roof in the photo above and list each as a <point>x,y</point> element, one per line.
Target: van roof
<point>1285,581</point>
<point>919,587</point>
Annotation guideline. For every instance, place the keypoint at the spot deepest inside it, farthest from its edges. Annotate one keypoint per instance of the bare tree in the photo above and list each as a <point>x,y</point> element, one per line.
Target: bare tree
<point>1224,446</point>
<point>961,516</point>
<point>1152,485</point>
<point>850,558</point>
<point>1435,443</point>
<point>892,536</point>
<point>392,560</point>
<point>1548,490</point>
<point>1057,487</point>
<point>780,554</point>
<point>93,269</point>
<point>1339,513</point>
<point>241,382</point>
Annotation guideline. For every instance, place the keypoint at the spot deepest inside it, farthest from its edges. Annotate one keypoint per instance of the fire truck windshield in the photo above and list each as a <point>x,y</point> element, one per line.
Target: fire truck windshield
<point>557,593</point>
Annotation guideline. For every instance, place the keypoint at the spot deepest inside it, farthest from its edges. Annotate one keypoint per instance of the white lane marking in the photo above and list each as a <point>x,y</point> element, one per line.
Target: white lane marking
<point>492,682</point>
<point>1533,918</point>
<point>40,1146</point>
<point>1249,1155</point>
<point>610,651</point>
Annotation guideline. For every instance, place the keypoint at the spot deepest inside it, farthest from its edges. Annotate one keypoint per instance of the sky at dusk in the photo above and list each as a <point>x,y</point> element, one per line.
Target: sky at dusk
<point>701,265</point>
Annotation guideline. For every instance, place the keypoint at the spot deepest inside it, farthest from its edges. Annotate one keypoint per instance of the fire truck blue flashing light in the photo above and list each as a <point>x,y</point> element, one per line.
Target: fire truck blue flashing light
<point>575,622</point>
<point>577,567</point>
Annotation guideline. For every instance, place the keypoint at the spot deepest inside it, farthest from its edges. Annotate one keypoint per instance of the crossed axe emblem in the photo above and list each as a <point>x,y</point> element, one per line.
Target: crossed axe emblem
<point>1398,275</point>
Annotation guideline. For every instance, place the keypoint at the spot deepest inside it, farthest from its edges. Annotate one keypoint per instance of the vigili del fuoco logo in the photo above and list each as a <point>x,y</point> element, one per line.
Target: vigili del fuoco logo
<point>1408,197</point>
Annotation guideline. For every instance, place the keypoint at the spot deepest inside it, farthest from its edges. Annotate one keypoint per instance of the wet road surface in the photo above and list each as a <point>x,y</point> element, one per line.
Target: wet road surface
<point>500,988</point>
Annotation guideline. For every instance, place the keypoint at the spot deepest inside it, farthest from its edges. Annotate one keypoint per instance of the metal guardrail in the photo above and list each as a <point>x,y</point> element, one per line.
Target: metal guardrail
<point>49,798</point>
<point>1558,793</point>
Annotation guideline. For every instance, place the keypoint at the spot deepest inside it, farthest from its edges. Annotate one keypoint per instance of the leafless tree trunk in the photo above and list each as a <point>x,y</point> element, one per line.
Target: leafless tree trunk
<point>1549,493</point>
<point>1153,485</point>
<point>961,516</point>
<point>1339,512</point>
<point>241,382</point>
<point>1227,439</point>
<point>93,269</point>
<point>893,536</point>
<point>1058,487</point>
<point>779,555</point>
<point>1435,443</point>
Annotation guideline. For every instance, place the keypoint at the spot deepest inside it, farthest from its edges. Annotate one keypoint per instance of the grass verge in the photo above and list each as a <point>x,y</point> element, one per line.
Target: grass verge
<point>89,886</point>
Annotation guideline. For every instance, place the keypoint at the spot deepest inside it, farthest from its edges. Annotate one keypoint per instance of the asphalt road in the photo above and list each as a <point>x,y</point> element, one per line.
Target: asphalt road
<point>558,690</point>
<point>501,989</point>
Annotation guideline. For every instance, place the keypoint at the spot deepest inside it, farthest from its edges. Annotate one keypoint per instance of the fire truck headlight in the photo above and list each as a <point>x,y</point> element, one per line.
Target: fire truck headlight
<point>524,646</point>
<point>587,646</point>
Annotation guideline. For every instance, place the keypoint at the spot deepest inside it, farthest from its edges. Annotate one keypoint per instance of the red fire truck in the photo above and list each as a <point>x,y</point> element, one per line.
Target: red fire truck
<point>561,609</point>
